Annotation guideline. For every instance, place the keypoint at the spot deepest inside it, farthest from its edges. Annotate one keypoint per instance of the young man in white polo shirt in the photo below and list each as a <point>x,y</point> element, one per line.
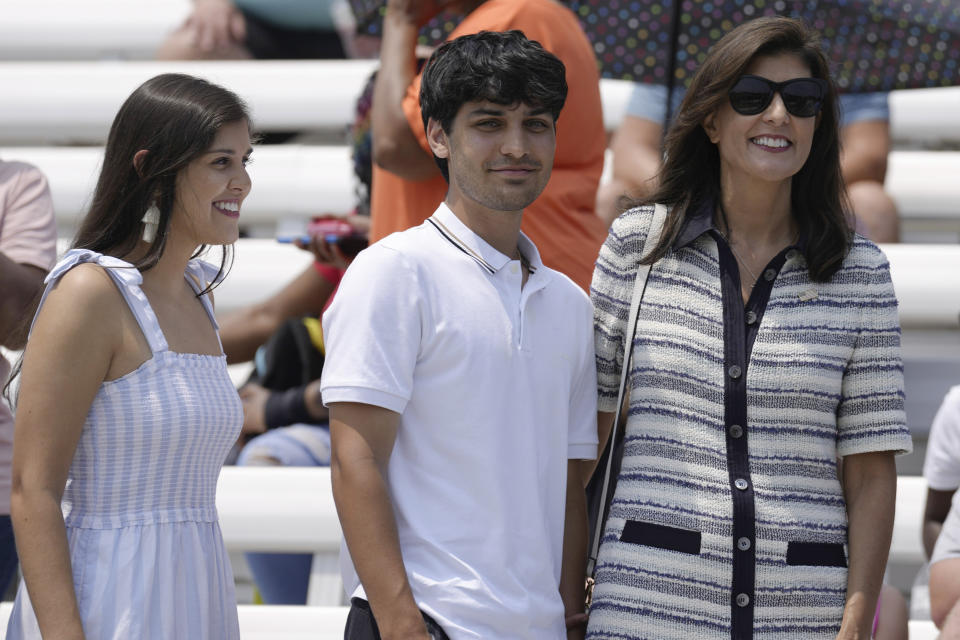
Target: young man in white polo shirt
<point>461,381</point>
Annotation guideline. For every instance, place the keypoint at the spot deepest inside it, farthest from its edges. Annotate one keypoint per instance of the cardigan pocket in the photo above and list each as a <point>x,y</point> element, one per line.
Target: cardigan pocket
<point>816,554</point>
<point>661,537</point>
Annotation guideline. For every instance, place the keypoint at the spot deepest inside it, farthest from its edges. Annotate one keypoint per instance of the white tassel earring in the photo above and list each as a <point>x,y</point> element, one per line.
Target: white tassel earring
<point>151,221</point>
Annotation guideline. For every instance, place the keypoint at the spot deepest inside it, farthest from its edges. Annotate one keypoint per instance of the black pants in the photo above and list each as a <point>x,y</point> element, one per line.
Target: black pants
<point>362,626</point>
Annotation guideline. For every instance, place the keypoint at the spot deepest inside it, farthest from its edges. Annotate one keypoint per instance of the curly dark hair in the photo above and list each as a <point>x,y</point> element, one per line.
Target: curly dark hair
<point>502,67</point>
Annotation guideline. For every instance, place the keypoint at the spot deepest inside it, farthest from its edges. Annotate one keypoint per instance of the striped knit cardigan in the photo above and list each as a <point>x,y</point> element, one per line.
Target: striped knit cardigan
<point>824,381</point>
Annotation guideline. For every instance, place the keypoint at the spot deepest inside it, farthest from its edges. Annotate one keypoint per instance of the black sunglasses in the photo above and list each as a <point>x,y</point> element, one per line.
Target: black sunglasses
<point>802,97</point>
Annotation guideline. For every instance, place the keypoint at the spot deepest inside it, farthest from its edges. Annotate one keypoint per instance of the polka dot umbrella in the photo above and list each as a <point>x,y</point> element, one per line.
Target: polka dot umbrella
<point>873,45</point>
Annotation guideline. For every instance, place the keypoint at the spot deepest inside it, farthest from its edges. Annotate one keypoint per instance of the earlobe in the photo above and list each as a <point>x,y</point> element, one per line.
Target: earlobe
<point>138,159</point>
<point>710,127</point>
<point>437,139</point>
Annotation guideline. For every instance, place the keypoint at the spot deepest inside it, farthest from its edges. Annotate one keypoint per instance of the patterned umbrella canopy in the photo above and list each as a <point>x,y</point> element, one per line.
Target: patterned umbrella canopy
<point>873,45</point>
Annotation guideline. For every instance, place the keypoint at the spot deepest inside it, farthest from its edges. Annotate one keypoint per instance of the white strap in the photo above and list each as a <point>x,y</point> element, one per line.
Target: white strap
<point>639,287</point>
<point>128,280</point>
<point>199,275</point>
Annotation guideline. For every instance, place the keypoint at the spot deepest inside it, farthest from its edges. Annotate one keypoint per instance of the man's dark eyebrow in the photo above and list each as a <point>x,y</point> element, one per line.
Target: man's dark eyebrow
<point>485,111</point>
<point>230,152</point>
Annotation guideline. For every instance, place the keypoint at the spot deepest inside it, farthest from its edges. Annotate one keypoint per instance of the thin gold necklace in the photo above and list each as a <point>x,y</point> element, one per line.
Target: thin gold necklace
<point>726,237</point>
<point>742,262</point>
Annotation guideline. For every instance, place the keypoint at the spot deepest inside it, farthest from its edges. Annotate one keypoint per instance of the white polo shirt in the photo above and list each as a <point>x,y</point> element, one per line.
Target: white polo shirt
<point>496,389</point>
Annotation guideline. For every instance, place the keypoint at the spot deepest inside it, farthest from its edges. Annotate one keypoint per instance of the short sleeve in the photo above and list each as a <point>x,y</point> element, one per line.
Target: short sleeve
<point>870,415</point>
<point>372,332</point>
<point>582,435</point>
<point>610,292</point>
<point>28,228</point>
<point>941,467</point>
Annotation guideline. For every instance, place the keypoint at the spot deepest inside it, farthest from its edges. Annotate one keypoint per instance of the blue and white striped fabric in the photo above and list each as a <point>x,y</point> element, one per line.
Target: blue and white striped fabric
<point>146,551</point>
<point>824,381</point>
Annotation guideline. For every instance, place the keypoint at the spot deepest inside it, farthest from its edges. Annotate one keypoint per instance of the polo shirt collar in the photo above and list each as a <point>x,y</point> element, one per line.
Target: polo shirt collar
<point>701,221</point>
<point>463,238</point>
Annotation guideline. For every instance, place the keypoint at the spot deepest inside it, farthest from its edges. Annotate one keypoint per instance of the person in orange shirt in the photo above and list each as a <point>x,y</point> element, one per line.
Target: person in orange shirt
<point>407,185</point>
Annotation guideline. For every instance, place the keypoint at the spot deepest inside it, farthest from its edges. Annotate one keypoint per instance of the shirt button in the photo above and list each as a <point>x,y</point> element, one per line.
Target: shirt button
<point>751,317</point>
<point>742,599</point>
<point>769,275</point>
<point>734,372</point>
<point>741,484</point>
<point>736,431</point>
<point>792,254</point>
<point>743,543</point>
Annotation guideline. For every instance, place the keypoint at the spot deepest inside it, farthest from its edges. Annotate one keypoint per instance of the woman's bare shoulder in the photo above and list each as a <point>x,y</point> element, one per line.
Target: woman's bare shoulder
<point>85,291</point>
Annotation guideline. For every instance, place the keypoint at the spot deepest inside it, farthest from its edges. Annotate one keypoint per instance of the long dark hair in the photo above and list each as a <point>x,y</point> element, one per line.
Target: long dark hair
<point>175,118</point>
<point>691,171</point>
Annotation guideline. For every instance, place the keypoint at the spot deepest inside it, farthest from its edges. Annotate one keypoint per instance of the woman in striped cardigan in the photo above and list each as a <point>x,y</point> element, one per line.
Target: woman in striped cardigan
<point>767,347</point>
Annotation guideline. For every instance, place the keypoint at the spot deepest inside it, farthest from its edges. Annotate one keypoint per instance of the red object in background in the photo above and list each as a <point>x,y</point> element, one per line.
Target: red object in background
<point>339,232</point>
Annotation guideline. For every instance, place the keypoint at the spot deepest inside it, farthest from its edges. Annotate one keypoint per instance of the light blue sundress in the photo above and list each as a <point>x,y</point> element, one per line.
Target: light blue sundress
<point>145,546</point>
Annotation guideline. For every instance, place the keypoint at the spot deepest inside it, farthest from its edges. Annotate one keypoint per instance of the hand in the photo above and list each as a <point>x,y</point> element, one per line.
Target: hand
<point>360,224</point>
<point>577,626</point>
<point>413,629</point>
<point>416,12</point>
<point>216,24</point>
<point>254,399</point>
<point>325,252</point>
<point>417,635</point>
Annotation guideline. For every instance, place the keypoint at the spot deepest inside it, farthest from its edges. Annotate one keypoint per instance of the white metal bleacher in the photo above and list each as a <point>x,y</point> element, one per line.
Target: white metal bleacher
<point>294,180</point>
<point>284,510</point>
<point>88,30</point>
<point>262,266</point>
<point>75,101</point>
<point>123,29</point>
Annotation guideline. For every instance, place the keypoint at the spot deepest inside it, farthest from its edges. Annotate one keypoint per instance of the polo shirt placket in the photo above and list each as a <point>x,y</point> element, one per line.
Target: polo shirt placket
<point>740,326</point>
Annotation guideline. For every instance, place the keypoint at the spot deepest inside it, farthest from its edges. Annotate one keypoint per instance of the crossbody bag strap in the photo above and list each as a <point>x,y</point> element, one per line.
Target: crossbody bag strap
<point>639,287</point>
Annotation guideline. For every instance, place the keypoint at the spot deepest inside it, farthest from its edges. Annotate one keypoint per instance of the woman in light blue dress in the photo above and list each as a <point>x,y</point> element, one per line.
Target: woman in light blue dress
<point>126,411</point>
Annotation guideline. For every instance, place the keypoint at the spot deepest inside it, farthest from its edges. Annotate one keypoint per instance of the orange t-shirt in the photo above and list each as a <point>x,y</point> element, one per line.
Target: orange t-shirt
<point>562,221</point>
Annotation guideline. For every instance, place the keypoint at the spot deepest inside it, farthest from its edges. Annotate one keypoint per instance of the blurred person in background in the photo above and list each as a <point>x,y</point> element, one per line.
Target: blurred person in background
<point>256,29</point>
<point>28,248</point>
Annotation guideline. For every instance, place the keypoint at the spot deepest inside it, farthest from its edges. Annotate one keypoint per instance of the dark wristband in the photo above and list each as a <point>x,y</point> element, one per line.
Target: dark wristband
<point>286,407</point>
